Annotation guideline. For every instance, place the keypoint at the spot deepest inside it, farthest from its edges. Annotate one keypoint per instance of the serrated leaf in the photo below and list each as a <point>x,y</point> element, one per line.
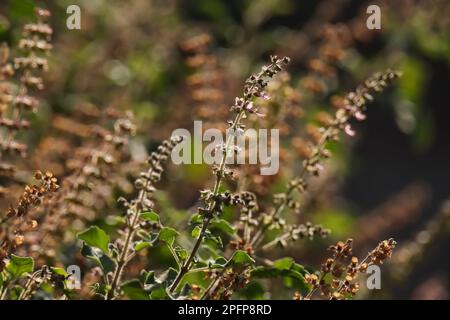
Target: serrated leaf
<point>150,216</point>
<point>241,258</point>
<point>95,237</point>
<point>17,266</point>
<point>168,235</point>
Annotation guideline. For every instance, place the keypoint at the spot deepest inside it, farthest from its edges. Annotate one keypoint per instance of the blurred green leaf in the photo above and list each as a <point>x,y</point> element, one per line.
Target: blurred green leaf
<point>21,9</point>
<point>168,235</point>
<point>17,266</point>
<point>149,216</point>
<point>134,290</point>
<point>241,258</point>
<point>196,232</point>
<point>95,237</point>
<point>141,245</point>
<point>223,226</point>
<point>100,258</point>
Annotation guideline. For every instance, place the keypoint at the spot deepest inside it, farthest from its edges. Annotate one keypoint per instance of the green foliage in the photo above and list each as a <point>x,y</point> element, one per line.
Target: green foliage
<point>19,266</point>
<point>150,216</point>
<point>168,235</point>
<point>100,258</point>
<point>240,258</point>
<point>285,268</point>
<point>95,237</point>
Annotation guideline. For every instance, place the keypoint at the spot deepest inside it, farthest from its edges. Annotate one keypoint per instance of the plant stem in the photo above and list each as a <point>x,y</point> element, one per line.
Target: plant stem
<point>124,256</point>
<point>186,266</point>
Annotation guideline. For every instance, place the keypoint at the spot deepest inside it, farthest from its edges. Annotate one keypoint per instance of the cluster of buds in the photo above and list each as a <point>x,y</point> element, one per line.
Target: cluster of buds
<point>123,128</point>
<point>145,183</point>
<point>20,77</point>
<point>308,230</point>
<point>356,102</point>
<point>292,233</point>
<point>229,281</point>
<point>15,224</point>
<point>91,173</point>
<point>353,106</point>
<point>246,199</point>
<point>34,195</point>
<point>344,269</point>
<point>256,84</point>
<point>35,46</point>
<point>287,200</point>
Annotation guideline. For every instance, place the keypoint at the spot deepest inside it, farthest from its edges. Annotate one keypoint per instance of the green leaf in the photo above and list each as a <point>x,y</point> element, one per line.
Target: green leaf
<point>284,263</point>
<point>149,278</point>
<point>266,273</point>
<point>159,293</point>
<point>215,239</point>
<point>224,226</point>
<point>241,258</point>
<point>196,219</point>
<point>219,262</point>
<point>181,253</point>
<point>150,216</point>
<point>17,266</point>
<point>134,290</point>
<point>196,232</point>
<point>59,271</point>
<point>291,272</point>
<point>158,285</point>
<point>253,291</point>
<point>168,235</point>
<point>141,245</point>
<point>95,237</point>
<point>101,259</point>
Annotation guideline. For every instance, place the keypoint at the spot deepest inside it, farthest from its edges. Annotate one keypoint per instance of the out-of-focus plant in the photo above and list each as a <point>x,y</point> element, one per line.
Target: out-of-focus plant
<point>248,237</point>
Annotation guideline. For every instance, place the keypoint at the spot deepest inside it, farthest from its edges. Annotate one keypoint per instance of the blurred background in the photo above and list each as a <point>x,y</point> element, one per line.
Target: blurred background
<point>152,57</point>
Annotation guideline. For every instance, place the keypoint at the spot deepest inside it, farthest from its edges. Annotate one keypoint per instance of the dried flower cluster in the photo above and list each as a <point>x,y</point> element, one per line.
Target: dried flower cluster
<point>125,247</point>
<point>343,275</point>
<point>243,106</point>
<point>19,80</point>
<point>247,227</point>
<point>205,82</point>
<point>17,221</point>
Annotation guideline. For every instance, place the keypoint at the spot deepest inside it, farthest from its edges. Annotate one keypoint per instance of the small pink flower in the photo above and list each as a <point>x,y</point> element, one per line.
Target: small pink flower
<point>348,130</point>
<point>252,109</point>
<point>265,95</point>
<point>360,116</point>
